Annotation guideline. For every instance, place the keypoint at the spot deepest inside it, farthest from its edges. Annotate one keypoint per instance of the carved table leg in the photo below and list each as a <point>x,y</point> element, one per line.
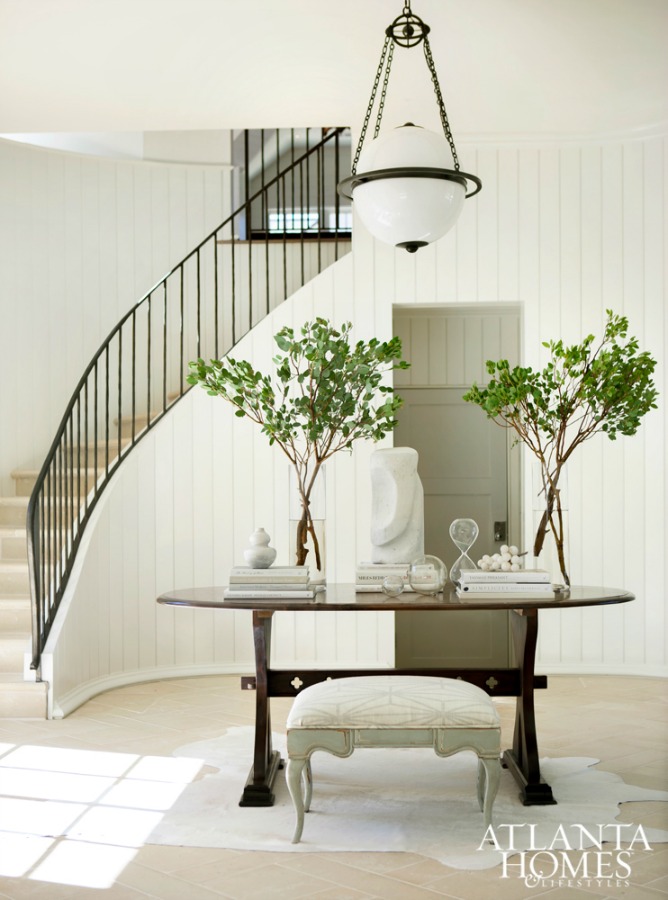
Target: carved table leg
<point>258,789</point>
<point>522,760</point>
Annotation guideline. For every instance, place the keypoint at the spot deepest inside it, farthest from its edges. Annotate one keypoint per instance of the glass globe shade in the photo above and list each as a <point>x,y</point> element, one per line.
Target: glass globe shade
<point>412,210</point>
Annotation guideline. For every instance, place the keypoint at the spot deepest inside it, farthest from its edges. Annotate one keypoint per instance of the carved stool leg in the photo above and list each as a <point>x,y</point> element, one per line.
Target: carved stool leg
<point>489,776</point>
<point>308,785</point>
<point>294,771</point>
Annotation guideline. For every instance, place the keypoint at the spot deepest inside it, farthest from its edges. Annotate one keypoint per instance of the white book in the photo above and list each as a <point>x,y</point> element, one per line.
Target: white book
<point>229,594</point>
<point>372,578</point>
<point>263,587</point>
<point>272,575</point>
<point>377,589</point>
<point>533,576</point>
<point>508,597</point>
<point>506,587</point>
<point>383,567</point>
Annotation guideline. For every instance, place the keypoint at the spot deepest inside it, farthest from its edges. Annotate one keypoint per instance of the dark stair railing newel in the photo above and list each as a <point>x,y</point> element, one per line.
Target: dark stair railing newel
<point>272,244</point>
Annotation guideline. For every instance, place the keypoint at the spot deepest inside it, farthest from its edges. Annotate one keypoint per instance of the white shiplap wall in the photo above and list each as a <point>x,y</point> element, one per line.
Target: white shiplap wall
<point>81,240</point>
<point>566,231</point>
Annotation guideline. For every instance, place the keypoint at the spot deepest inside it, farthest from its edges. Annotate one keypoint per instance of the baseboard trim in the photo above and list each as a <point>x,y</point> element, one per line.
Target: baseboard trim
<point>639,670</point>
<point>62,705</point>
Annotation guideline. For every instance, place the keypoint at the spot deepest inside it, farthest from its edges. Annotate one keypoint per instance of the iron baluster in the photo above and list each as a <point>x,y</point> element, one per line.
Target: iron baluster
<point>164,347</point>
<point>199,306</point>
<point>148,356</point>
<point>106,411</point>
<point>216,324</point>
<point>134,377</point>
<point>120,397</point>
<point>86,433</point>
<point>95,420</point>
<point>181,316</point>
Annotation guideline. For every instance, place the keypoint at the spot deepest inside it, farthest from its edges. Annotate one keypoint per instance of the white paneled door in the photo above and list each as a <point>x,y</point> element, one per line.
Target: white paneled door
<point>463,468</point>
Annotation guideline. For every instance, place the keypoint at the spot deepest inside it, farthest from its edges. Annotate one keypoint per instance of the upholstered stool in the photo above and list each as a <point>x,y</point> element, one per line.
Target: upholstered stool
<point>392,711</point>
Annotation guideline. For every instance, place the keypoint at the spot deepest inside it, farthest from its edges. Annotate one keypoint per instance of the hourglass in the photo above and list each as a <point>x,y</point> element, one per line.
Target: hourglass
<point>464,533</point>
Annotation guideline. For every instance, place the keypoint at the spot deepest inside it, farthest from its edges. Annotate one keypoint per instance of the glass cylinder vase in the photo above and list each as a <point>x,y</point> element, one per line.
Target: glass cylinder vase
<point>307,524</point>
<point>550,539</point>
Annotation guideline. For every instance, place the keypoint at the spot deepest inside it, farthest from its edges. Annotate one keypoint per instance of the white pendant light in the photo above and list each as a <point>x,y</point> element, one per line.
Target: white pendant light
<point>407,186</point>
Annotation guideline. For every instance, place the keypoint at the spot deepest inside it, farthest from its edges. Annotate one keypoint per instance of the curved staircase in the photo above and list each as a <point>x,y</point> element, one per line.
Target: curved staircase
<point>202,307</point>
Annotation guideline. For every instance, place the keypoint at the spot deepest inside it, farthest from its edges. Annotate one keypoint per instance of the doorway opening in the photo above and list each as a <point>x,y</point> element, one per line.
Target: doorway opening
<point>466,463</point>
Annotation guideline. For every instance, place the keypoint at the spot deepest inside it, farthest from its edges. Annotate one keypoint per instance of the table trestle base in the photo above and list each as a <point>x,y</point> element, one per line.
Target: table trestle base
<point>531,794</point>
<point>262,794</point>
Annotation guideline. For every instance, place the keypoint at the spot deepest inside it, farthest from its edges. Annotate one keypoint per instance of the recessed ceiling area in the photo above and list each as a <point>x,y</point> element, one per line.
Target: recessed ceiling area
<point>529,67</point>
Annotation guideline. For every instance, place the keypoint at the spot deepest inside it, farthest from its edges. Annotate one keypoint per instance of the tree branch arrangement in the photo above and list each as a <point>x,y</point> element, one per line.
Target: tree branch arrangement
<point>325,395</point>
<point>585,389</point>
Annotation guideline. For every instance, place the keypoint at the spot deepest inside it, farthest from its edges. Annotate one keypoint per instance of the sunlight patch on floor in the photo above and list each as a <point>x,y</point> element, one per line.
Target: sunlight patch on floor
<point>79,816</point>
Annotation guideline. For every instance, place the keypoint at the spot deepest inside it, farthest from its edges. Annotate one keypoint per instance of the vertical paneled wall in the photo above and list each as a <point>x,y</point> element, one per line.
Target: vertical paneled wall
<point>567,231</point>
<point>447,346</point>
<point>81,240</point>
<point>570,231</point>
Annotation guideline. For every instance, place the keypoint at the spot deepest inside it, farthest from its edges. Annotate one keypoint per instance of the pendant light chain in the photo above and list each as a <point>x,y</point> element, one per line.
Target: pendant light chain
<point>416,35</point>
<point>372,100</point>
<point>381,105</point>
<point>441,104</point>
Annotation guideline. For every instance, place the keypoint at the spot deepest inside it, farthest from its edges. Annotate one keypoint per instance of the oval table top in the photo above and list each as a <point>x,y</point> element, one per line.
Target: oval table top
<point>341,597</point>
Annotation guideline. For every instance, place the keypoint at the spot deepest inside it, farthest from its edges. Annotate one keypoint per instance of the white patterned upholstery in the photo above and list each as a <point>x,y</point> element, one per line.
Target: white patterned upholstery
<point>341,714</point>
<point>393,701</point>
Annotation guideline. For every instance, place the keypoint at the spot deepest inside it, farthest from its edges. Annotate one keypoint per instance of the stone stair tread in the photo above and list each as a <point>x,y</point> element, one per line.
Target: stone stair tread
<point>20,699</point>
<point>16,680</point>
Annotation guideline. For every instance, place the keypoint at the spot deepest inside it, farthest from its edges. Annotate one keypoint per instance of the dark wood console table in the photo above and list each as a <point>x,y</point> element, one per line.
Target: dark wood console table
<point>519,681</point>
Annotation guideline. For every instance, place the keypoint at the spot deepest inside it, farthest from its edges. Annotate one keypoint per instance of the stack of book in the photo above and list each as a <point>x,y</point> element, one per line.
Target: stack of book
<point>532,584</point>
<point>370,576</point>
<point>276,582</point>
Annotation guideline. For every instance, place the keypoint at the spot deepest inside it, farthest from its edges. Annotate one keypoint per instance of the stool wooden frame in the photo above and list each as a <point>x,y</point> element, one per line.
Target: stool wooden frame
<point>445,738</point>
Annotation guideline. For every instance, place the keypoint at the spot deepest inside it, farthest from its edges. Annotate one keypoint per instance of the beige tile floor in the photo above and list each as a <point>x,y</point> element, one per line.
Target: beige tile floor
<point>622,721</point>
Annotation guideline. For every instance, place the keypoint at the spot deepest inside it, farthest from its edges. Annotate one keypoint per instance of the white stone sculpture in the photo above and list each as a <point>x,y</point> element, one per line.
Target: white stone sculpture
<point>397,506</point>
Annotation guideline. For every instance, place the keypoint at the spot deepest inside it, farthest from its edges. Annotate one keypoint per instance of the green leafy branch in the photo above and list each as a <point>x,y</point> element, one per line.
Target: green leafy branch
<point>584,389</point>
<point>325,395</point>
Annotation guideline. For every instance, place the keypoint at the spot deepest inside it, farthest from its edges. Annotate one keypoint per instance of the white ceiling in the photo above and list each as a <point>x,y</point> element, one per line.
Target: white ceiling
<point>521,67</point>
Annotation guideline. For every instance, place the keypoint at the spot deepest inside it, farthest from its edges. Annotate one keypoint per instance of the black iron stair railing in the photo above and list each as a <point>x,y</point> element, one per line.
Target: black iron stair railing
<point>287,229</point>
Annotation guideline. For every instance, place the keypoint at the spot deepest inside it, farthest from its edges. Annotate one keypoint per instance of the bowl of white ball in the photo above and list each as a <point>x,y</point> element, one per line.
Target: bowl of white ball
<point>508,559</point>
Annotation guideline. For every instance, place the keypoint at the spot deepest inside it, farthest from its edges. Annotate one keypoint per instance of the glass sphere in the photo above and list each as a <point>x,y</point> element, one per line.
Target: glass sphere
<point>427,575</point>
<point>393,585</point>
